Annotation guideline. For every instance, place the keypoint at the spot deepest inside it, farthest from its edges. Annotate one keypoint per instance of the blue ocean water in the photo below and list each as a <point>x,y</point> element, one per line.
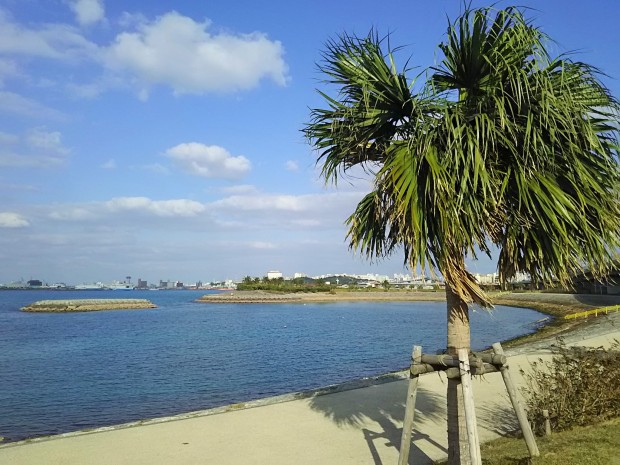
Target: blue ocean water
<point>66,372</point>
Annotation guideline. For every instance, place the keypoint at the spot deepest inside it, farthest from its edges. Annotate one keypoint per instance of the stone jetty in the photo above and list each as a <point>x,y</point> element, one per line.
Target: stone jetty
<point>87,305</point>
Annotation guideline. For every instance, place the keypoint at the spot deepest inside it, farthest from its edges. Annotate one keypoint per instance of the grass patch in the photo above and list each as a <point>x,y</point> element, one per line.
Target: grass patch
<point>592,445</point>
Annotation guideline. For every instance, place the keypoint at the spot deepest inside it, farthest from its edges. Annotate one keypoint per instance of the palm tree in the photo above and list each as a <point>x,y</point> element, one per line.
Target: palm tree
<point>500,149</point>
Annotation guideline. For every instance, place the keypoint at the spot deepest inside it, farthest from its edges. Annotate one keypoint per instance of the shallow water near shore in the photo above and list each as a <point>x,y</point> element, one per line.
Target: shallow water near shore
<point>67,372</point>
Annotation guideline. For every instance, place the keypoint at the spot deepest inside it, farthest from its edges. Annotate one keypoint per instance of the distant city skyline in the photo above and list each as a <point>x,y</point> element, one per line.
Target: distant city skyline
<point>483,278</point>
<point>135,280</point>
<point>163,139</point>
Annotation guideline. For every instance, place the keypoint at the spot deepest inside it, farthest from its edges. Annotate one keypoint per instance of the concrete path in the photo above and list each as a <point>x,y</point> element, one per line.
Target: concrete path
<point>360,426</point>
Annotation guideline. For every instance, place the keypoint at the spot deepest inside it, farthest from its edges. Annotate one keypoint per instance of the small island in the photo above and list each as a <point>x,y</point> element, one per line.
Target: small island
<point>87,305</point>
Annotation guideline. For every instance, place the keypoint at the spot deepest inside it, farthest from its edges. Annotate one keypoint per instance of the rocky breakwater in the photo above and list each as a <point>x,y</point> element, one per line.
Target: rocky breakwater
<point>87,305</point>
<point>250,297</point>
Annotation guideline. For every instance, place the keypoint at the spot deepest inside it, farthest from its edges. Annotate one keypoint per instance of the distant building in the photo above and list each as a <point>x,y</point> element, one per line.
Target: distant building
<point>489,278</point>
<point>274,274</point>
<point>142,284</point>
<point>401,278</point>
<point>35,283</point>
<point>586,283</point>
<point>167,284</point>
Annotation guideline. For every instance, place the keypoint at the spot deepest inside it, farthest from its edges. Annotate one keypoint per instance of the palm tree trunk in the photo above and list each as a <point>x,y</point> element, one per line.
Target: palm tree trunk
<point>458,338</point>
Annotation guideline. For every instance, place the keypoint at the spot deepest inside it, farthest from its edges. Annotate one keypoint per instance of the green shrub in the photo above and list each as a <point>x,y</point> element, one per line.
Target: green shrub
<point>579,387</point>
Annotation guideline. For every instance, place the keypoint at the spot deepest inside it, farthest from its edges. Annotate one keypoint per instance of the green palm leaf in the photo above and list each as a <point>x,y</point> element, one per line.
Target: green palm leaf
<point>503,145</point>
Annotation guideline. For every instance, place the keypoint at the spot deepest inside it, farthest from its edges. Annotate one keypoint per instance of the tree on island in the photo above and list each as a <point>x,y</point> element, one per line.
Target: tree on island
<point>502,145</point>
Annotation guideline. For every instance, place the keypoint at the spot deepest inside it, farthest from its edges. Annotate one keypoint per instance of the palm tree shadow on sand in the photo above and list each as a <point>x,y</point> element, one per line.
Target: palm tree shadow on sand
<point>384,405</point>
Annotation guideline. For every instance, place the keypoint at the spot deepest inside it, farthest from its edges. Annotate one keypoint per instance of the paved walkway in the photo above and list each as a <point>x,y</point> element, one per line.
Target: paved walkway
<point>360,426</point>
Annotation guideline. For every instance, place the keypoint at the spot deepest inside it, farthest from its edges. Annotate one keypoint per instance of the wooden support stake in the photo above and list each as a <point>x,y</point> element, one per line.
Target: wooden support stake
<point>475,360</point>
<point>530,440</point>
<point>547,422</point>
<point>470,411</point>
<point>454,372</point>
<point>421,368</point>
<point>405,439</point>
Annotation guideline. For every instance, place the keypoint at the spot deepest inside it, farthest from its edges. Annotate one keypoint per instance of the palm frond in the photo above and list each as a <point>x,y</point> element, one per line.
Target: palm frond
<point>504,145</point>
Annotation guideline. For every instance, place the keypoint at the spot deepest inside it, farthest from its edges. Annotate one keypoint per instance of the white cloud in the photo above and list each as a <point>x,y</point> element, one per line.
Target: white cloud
<point>240,189</point>
<point>58,41</point>
<point>8,69</point>
<point>152,238</point>
<point>87,11</point>
<point>261,245</point>
<point>131,20</point>
<point>143,95</point>
<point>109,165</point>
<point>177,51</point>
<point>8,139</point>
<point>118,206</point>
<point>285,212</point>
<point>292,165</point>
<point>39,148</point>
<point>172,50</point>
<point>165,208</point>
<point>9,186</point>
<point>290,203</point>
<point>307,223</point>
<point>210,161</point>
<point>157,168</point>
<point>12,220</point>
<point>11,102</point>
<point>262,202</point>
<point>238,214</point>
<point>16,160</point>
<point>88,91</point>
<point>72,214</point>
<point>40,139</point>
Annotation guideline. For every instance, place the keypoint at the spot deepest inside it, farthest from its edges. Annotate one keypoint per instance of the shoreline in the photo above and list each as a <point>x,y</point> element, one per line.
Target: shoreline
<point>551,304</point>
<point>556,305</point>
<point>355,422</point>
<point>358,422</point>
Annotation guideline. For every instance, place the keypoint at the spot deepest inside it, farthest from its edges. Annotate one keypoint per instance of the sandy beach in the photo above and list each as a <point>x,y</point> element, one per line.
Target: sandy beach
<point>359,423</point>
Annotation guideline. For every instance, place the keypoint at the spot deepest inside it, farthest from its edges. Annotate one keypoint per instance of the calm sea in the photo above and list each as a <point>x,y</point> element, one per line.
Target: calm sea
<point>66,372</point>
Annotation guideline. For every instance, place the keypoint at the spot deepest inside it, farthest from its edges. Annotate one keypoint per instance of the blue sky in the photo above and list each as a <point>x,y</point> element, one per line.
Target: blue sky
<point>162,140</point>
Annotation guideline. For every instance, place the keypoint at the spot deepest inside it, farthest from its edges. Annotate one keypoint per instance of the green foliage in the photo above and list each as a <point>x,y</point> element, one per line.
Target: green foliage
<point>592,445</point>
<point>504,146</point>
<point>578,387</point>
<point>281,285</point>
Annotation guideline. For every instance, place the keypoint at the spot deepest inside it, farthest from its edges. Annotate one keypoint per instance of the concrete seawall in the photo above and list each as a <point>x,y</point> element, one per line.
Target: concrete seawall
<point>248,297</point>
